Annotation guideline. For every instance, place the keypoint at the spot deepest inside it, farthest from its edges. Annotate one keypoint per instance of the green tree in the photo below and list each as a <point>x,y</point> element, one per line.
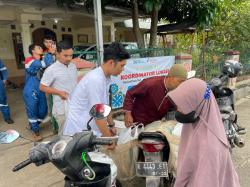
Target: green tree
<point>153,7</point>
<point>136,27</point>
<point>201,12</point>
<point>232,30</point>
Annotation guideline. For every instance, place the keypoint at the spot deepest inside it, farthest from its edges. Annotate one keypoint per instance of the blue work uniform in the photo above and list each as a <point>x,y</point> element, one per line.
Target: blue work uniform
<point>49,58</point>
<point>35,100</point>
<point>5,109</point>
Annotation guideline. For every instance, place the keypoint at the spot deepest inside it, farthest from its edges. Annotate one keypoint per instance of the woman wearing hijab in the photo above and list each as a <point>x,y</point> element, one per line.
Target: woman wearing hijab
<point>204,159</point>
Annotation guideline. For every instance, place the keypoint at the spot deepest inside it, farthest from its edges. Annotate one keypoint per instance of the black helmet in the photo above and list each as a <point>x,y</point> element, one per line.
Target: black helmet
<point>232,68</point>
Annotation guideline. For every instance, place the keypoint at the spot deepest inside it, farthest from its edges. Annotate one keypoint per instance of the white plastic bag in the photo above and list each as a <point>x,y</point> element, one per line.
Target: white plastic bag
<point>130,133</point>
<point>177,129</point>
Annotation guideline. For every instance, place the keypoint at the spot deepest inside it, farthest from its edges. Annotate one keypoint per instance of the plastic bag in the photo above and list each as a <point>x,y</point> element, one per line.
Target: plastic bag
<point>130,133</point>
<point>177,129</point>
<point>8,136</point>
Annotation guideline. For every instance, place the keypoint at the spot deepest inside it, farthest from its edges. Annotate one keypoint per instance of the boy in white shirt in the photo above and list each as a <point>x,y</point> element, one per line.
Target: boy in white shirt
<point>60,79</point>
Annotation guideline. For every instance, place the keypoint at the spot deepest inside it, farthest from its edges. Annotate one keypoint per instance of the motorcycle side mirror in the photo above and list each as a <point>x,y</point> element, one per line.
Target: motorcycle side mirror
<point>100,111</point>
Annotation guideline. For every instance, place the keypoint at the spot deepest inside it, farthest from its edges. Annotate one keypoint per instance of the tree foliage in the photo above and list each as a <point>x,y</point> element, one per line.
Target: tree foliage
<point>232,30</point>
<point>200,12</point>
<point>229,31</point>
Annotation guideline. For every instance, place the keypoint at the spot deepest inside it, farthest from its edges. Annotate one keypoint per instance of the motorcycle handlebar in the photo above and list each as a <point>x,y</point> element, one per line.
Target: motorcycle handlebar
<point>21,165</point>
<point>101,141</point>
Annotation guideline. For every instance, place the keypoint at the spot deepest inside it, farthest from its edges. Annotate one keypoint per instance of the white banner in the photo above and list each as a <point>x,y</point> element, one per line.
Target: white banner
<point>135,71</point>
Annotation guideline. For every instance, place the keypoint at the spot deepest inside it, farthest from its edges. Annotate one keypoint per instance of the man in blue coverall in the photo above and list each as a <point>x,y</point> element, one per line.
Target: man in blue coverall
<point>5,109</point>
<point>35,100</point>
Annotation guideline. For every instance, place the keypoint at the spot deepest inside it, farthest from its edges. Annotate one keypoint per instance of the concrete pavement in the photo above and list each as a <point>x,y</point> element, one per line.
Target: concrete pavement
<point>241,156</point>
<point>12,154</point>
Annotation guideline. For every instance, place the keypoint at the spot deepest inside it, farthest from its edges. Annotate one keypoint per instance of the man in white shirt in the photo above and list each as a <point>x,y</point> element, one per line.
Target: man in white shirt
<point>60,79</point>
<point>94,89</point>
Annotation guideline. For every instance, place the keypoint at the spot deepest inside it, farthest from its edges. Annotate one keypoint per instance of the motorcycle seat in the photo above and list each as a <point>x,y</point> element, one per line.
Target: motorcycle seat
<point>152,135</point>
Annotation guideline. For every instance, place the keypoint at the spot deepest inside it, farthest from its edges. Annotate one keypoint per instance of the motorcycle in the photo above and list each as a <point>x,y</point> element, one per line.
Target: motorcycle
<point>155,147</point>
<point>225,99</point>
<point>77,157</point>
<point>154,156</point>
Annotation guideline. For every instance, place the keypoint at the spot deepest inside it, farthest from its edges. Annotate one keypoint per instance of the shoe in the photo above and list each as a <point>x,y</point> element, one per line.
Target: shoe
<point>37,137</point>
<point>9,121</point>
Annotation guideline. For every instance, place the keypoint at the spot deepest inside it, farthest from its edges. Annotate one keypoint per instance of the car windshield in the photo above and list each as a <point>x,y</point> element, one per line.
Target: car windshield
<point>80,47</point>
<point>89,52</point>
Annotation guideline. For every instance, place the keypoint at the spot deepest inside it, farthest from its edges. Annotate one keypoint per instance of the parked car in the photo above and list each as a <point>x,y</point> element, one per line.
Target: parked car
<point>80,48</point>
<point>90,52</point>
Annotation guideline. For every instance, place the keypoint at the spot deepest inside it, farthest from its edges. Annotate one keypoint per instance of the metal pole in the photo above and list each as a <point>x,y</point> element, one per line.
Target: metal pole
<point>98,31</point>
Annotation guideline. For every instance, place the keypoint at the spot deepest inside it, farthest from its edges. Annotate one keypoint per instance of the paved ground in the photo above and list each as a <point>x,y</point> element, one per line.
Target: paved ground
<point>48,175</point>
<point>241,156</point>
<point>13,153</point>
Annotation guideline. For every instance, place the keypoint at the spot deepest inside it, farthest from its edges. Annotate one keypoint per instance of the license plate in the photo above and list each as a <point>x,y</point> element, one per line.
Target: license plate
<point>153,169</point>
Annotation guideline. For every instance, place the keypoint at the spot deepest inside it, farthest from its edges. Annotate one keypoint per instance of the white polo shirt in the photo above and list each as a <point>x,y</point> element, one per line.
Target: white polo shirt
<point>61,77</point>
<point>91,90</point>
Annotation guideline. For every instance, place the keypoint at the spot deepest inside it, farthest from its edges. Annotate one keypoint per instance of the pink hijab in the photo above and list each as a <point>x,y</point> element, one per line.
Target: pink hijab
<point>203,159</point>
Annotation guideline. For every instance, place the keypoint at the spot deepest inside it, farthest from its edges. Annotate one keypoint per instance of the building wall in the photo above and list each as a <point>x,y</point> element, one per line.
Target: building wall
<point>89,32</point>
<point>7,52</point>
<point>124,34</point>
<point>6,44</point>
<point>79,27</point>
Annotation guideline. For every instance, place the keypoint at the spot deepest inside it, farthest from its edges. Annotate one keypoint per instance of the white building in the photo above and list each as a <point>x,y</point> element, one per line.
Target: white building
<point>25,21</point>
